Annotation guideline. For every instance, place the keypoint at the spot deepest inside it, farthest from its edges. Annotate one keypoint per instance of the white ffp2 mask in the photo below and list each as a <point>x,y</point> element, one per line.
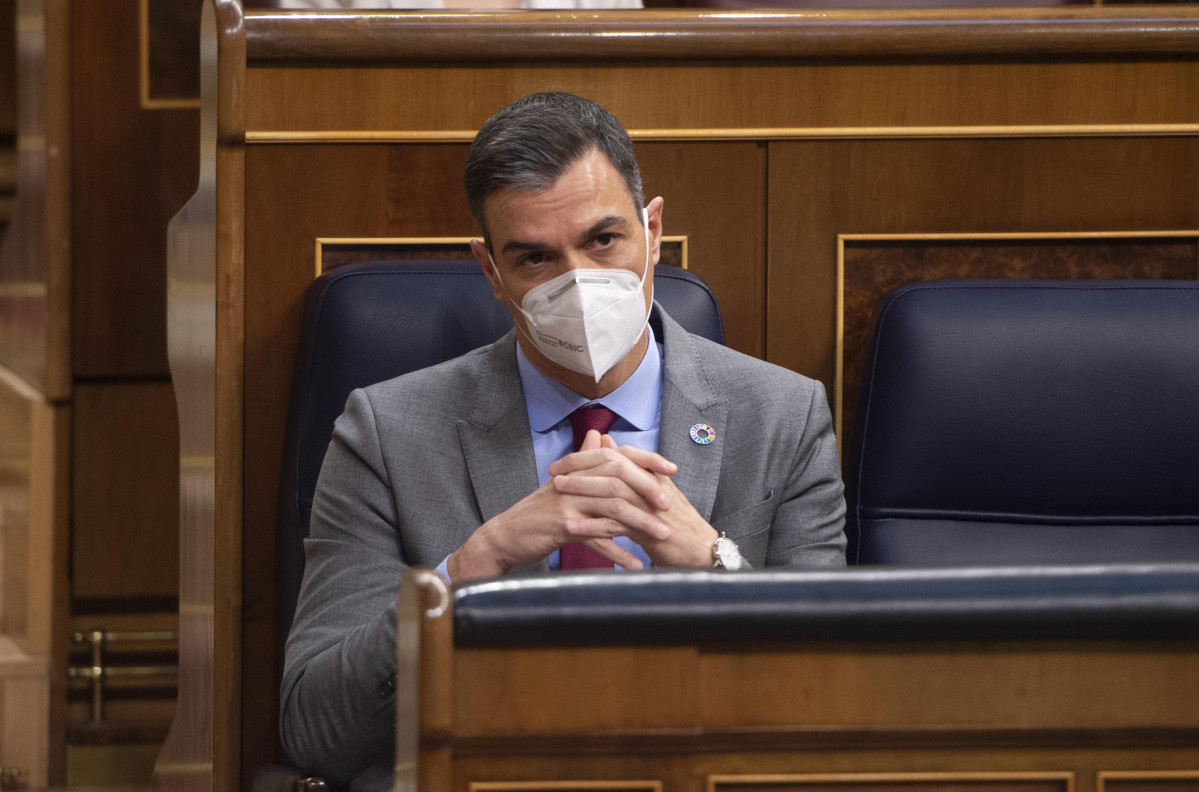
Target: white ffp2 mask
<point>587,320</point>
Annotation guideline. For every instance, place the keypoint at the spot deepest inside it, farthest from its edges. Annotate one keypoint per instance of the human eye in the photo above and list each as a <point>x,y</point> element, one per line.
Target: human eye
<point>605,241</point>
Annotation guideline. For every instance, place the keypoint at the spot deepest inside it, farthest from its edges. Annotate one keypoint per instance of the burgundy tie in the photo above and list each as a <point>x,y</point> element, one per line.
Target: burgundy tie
<point>577,555</point>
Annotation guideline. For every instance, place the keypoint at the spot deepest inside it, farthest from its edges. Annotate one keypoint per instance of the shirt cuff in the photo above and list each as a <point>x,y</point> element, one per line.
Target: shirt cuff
<point>443,569</point>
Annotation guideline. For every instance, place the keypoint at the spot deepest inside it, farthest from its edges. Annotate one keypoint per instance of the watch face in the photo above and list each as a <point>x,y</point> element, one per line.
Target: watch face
<point>728,553</point>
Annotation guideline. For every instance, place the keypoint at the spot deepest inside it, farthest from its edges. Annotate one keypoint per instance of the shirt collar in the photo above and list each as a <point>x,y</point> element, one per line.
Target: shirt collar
<point>636,401</point>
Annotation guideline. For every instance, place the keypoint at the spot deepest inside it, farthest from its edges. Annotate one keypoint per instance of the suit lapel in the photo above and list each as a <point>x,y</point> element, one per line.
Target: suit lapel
<point>689,399</point>
<point>496,440</point>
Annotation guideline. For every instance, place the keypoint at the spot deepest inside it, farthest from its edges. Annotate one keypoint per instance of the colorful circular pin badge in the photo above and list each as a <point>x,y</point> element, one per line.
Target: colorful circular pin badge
<point>703,434</point>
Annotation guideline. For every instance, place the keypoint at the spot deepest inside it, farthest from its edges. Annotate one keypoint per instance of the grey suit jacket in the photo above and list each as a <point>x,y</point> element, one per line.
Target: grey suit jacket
<point>419,462</point>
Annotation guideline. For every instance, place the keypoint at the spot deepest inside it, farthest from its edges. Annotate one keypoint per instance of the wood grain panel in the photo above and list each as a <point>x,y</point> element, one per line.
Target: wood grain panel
<point>689,759</point>
<point>819,190</point>
<point>35,257</point>
<point>203,748</point>
<point>24,715</point>
<point>715,195</point>
<point>168,42</point>
<point>34,531</point>
<point>816,35</point>
<point>8,75</point>
<point>901,96</point>
<point>896,782</point>
<point>126,493</point>
<point>8,114</point>
<point>128,180</point>
<point>660,694</point>
<point>34,513</point>
<point>1047,685</point>
<point>16,444</point>
<point>1148,781</point>
<point>874,267</point>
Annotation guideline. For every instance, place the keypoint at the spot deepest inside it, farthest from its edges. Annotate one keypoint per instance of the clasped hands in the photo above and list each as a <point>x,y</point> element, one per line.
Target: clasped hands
<point>595,494</point>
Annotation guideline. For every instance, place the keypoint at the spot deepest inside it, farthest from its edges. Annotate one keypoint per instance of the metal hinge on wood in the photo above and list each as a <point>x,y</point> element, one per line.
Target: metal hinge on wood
<point>99,672</point>
<point>12,778</point>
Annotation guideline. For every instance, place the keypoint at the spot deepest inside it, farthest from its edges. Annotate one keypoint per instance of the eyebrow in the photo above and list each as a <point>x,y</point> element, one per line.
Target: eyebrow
<point>598,227</point>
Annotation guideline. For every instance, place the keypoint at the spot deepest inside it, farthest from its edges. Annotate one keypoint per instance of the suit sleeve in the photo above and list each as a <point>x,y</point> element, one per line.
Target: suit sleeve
<point>337,713</point>
<point>809,525</point>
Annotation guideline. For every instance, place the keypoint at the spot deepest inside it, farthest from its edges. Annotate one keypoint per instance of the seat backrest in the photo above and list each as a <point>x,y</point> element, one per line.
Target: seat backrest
<point>367,323</point>
<point>1028,422</point>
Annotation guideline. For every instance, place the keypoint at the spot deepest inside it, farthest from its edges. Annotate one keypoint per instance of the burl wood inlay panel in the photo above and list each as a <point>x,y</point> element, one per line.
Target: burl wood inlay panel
<point>875,267</point>
<point>897,782</point>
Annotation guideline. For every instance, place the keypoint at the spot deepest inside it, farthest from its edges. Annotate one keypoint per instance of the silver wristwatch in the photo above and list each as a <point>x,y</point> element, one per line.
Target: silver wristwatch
<point>726,554</point>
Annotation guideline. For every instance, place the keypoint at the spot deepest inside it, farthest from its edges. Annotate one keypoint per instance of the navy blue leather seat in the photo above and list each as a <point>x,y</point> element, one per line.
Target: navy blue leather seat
<point>1028,422</point>
<point>370,322</point>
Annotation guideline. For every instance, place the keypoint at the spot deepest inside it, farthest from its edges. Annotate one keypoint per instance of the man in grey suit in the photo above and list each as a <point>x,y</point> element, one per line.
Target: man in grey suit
<point>598,433</point>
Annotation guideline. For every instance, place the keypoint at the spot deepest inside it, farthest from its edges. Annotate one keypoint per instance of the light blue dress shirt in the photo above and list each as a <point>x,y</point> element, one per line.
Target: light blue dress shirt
<point>637,404</point>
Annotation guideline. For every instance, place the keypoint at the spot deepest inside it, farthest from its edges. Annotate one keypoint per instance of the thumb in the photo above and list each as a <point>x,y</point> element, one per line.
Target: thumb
<point>591,441</point>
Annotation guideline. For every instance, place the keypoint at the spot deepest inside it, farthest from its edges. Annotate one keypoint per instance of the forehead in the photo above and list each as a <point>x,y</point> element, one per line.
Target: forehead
<point>589,189</point>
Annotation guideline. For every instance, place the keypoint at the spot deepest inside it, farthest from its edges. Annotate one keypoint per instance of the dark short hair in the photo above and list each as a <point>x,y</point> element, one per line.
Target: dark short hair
<point>530,143</point>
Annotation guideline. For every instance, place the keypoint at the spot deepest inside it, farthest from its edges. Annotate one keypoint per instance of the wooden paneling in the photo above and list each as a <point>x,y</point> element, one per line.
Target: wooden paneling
<point>752,99</point>
<point>896,782</point>
<point>715,195</point>
<point>126,494</point>
<point>899,34</point>
<point>822,189</point>
<point>1149,781</point>
<point>8,113</point>
<point>1043,686</point>
<point>129,179</point>
<point>33,518</point>
<point>169,41</point>
<point>16,429</point>
<point>24,715</point>
<point>34,508</point>
<point>203,748</point>
<point>35,257</point>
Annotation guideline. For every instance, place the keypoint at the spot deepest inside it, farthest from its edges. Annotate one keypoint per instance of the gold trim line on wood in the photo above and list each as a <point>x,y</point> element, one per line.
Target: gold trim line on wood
<point>770,779</point>
<point>756,133</point>
<point>389,241</point>
<point>839,361</point>
<point>1001,235</point>
<point>182,767</point>
<point>23,290</point>
<point>530,786</point>
<point>1103,776</point>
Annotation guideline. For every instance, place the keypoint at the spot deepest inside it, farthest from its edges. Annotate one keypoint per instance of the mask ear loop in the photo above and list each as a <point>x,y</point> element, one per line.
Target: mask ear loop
<point>519,325</point>
<point>645,273</point>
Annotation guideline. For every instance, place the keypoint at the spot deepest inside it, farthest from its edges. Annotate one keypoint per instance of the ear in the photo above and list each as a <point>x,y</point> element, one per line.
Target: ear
<point>653,212</point>
<point>479,249</point>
